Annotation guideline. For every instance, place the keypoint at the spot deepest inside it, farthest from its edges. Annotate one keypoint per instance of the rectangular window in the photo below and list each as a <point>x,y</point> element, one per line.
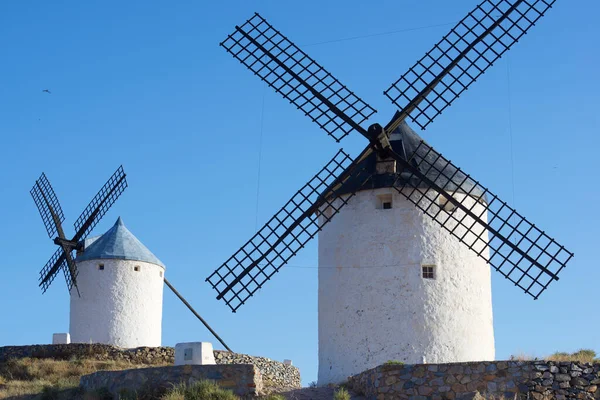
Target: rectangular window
<point>136,268</point>
<point>443,202</point>
<point>100,267</point>
<point>384,201</point>
<point>428,271</point>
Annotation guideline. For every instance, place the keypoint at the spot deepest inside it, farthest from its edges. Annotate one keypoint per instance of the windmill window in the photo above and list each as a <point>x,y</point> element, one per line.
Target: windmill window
<point>384,202</point>
<point>100,267</point>
<point>160,273</point>
<point>136,268</point>
<point>428,271</point>
<point>445,204</point>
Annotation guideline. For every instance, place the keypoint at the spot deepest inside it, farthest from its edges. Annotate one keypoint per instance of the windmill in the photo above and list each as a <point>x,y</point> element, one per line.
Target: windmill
<point>53,217</point>
<point>119,309</point>
<point>446,214</point>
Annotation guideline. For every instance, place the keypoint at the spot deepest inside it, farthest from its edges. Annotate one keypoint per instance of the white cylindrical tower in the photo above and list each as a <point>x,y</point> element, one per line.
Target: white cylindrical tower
<point>395,285</point>
<point>120,286</point>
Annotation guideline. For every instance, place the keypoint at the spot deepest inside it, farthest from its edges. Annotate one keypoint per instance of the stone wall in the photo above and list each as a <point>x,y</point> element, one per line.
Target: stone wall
<point>525,379</point>
<point>242,379</point>
<point>274,373</point>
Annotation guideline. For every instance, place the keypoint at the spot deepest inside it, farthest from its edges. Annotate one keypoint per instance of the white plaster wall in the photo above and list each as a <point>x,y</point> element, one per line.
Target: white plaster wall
<point>118,305</point>
<point>374,305</point>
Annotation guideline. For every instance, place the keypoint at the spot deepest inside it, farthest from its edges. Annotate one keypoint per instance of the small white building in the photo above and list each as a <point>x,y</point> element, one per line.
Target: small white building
<point>394,284</point>
<point>120,295</point>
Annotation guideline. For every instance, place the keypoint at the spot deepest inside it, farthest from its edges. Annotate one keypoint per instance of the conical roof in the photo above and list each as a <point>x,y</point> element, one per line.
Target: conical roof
<point>406,141</point>
<point>117,243</point>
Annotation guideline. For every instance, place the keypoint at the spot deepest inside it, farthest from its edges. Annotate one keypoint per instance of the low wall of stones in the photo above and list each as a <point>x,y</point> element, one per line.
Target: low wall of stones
<point>537,380</point>
<point>242,379</point>
<point>274,373</point>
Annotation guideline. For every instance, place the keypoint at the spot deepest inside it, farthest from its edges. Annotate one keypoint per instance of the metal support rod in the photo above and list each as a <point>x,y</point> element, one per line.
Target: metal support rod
<point>196,314</point>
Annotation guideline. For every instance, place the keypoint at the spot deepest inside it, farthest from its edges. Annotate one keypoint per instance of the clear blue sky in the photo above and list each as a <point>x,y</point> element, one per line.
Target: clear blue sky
<point>145,84</point>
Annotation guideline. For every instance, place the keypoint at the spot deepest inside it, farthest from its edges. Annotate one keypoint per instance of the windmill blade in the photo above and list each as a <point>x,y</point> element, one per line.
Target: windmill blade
<point>519,250</point>
<point>464,54</point>
<point>104,199</point>
<point>48,273</point>
<point>47,203</point>
<point>70,271</point>
<point>297,77</point>
<point>286,232</point>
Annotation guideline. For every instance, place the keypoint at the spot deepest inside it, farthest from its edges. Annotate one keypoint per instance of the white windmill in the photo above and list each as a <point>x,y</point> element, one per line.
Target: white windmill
<point>115,282</point>
<point>407,239</point>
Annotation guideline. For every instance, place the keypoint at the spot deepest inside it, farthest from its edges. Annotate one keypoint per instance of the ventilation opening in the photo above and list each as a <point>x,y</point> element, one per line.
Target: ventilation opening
<point>136,268</point>
<point>384,201</point>
<point>100,267</point>
<point>445,204</point>
<point>428,271</point>
<point>160,273</point>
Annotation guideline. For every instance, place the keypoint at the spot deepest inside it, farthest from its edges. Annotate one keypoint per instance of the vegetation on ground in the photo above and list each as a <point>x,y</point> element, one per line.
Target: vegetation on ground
<point>201,390</point>
<point>582,356</point>
<point>393,362</point>
<point>341,394</point>
<point>50,379</point>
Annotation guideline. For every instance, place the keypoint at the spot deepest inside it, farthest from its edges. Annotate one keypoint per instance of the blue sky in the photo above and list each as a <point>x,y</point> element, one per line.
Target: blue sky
<point>145,84</point>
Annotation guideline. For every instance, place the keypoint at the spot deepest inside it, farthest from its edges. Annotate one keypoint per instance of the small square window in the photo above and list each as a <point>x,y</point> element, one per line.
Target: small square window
<point>100,267</point>
<point>384,201</point>
<point>136,268</point>
<point>443,202</point>
<point>428,271</point>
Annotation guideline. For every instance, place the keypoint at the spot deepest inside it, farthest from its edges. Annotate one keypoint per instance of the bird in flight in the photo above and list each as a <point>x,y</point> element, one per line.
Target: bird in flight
<point>47,91</point>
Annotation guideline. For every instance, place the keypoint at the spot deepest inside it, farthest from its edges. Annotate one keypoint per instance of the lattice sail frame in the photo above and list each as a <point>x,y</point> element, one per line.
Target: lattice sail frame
<point>285,233</point>
<point>44,198</point>
<point>104,199</point>
<point>297,77</point>
<point>515,247</point>
<point>464,54</point>
<point>56,262</point>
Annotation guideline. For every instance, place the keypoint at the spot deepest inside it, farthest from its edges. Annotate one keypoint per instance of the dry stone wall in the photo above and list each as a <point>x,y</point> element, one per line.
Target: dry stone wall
<point>538,380</point>
<point>274,373</point>
<point>242,379</point>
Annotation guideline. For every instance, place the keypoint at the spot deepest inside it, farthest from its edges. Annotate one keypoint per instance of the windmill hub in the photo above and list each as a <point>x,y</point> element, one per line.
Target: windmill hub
<point>67,244</point>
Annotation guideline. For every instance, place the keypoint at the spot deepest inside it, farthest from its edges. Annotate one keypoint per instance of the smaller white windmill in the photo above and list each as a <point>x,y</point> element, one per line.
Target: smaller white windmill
<point>115,282</point>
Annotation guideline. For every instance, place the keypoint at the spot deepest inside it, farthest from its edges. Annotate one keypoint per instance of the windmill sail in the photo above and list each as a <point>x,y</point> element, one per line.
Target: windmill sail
<point>48,273</point>
<point>464,54</point>
<point>286,232</point>
<point>104,199</point>
<point>297,77</point>
<point>47,203</point>
<point>514,246</point>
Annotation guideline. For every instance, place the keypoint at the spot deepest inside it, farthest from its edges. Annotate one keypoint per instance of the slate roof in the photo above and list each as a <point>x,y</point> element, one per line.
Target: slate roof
<point>117,243</point>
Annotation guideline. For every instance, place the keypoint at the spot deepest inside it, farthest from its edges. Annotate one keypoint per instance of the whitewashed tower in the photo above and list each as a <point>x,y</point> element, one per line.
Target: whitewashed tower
<point>121,289</point>
<point>395,285</point>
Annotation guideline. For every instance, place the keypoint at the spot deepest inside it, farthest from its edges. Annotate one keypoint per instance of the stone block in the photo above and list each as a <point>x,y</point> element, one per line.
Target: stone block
<point>194,353</point>
<point>61,338</point>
